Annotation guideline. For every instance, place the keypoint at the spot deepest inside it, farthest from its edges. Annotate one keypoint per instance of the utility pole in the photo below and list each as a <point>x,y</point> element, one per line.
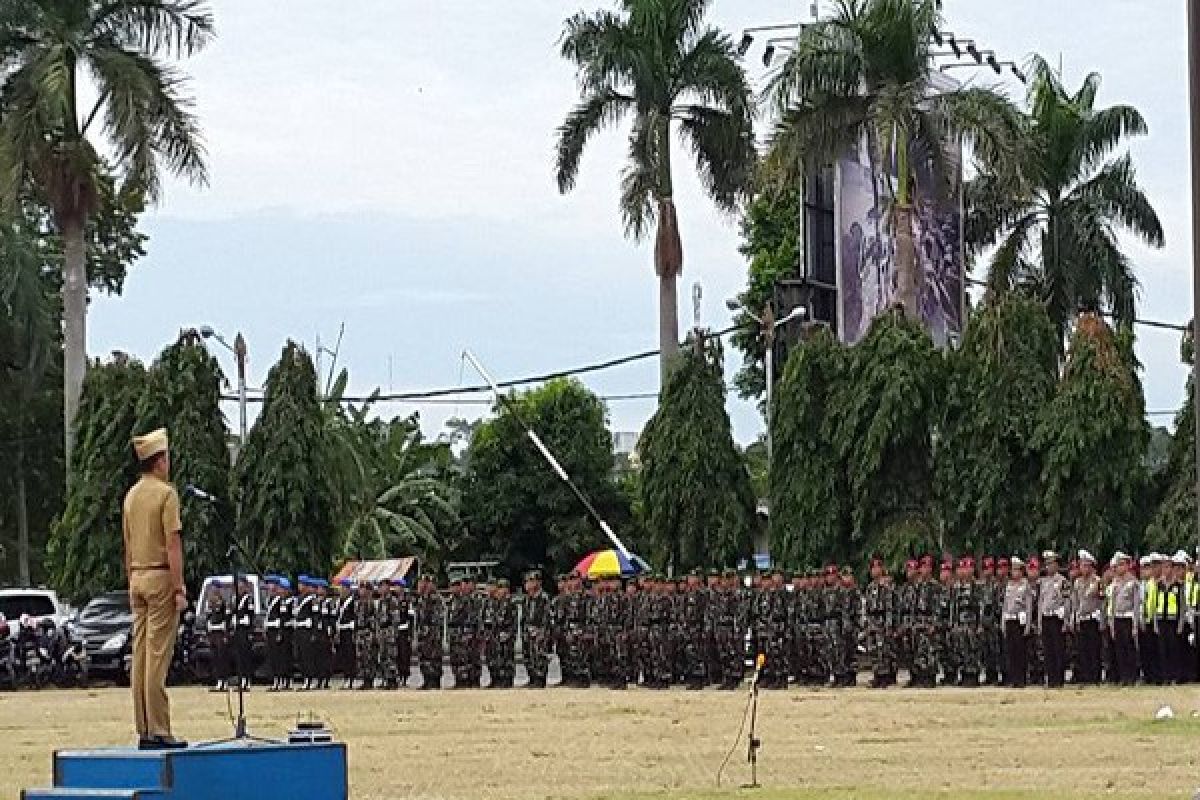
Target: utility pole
<point>1193,26</point>
<point>239,352</point>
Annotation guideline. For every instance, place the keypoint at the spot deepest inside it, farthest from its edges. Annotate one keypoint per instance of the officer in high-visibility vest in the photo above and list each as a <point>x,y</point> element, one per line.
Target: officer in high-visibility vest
<point>1193,615</point>
<point>1170,609</point>
<point>1148,649</point>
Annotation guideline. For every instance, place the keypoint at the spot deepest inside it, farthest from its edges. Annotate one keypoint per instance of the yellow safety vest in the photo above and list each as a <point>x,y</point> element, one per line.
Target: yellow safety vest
<point>1168,601</point>
<point>1192,590</point>
<point>1149,599</point>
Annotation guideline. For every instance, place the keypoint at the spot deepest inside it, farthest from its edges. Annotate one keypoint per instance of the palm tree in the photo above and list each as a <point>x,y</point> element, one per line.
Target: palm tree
<point>1057,226</point>
<point>48,139</point>
<point>653,59</point>
<point>867,74</point>
<point>407,504</point>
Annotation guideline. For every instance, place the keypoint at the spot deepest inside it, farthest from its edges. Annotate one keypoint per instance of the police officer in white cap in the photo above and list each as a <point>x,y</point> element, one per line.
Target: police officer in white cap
<point>1053,592</point>
<point>1148,645</point>
<point>1123,612</point>
<point>1170,612</point>
<point>1087,614</point>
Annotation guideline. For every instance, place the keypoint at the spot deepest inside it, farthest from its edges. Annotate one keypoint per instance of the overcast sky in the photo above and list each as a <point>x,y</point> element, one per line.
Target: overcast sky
<point>390,166</point>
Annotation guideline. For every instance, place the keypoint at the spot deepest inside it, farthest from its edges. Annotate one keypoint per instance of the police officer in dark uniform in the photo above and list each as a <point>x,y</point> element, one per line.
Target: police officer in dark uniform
<point>243,627</point>
<point>344,628</point>
<point>216,625</point>
<point>273,631</point>
<point>308,615</point>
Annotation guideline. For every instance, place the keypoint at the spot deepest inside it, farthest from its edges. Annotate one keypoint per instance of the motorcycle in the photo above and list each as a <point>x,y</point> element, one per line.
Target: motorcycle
<point>8,657</point>
<point>68,656</point>
<point>33,662</point>
<point>182,669</point>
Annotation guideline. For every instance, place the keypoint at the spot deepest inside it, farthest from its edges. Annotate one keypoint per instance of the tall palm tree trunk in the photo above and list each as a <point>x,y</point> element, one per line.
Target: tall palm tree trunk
<point>74,296</point>
<point>23,574</point>
<point>668,263</point>
<point>908,274</point>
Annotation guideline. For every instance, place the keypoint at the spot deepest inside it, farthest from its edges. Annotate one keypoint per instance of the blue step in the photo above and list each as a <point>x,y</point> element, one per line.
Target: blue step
<point>91,794</point>
<point>239,770</point>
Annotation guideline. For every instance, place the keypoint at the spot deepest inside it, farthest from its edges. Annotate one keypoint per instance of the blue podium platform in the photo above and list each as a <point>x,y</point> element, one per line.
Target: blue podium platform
<point>236,770</point>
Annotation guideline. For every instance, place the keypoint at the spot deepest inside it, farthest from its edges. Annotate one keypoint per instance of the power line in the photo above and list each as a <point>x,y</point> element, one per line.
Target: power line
<point>1149,323</point>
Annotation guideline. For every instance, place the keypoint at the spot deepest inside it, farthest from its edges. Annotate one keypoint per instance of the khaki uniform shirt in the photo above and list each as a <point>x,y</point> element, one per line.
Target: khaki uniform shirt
<point>151,515</point>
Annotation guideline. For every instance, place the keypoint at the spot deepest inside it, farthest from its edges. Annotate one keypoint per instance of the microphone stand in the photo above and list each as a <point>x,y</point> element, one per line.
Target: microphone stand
<point>753,743</point>
<point>240,731</point>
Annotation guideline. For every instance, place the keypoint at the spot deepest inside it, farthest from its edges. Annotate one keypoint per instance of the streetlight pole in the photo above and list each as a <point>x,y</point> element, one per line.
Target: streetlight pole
<point>239,352</point>
<point>1193,26</point>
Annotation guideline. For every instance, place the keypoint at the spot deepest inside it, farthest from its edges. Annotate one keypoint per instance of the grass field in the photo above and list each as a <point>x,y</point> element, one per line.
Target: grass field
<point>983,744</point>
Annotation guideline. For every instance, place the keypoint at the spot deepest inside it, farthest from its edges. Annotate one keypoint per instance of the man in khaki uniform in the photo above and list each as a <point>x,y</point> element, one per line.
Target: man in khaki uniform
<point>154,566</point>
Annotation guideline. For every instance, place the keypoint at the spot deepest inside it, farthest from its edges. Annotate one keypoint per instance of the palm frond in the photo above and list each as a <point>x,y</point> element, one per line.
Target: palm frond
<point>599,109</point>
<point>828,61</point>
<point>1114,193</point>
<point>1008,267</point>
<point>723,145</point>
<point>154,27</point>
<point>640,179</point>
<point>148,117</point>
<point>603,49</point>
<point>1101,132</point>
<point>710,73</point>
<point>814,134</point>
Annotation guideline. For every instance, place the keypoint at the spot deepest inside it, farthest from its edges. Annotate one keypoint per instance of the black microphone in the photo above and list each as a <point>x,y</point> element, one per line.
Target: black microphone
<point>196,491</point>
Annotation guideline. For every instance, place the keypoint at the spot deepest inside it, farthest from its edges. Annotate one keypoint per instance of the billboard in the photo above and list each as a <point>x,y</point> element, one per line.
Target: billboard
<point>866,246</point>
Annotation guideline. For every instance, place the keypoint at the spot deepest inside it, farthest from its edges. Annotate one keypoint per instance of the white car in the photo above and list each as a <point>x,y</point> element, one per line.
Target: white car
<point>36,603</point>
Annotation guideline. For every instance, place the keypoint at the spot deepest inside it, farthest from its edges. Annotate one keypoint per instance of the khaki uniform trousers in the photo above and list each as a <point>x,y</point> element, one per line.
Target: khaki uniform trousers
<point>155,625</point>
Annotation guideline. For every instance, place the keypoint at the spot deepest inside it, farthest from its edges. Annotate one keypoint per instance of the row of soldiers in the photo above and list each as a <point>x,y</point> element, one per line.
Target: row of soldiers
<point>1011,621</point>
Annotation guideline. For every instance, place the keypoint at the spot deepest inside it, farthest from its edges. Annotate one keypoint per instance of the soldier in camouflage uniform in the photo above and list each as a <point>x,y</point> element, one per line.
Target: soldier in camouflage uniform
<point>726,613</point>
<point>831,642</point>
<point>942,615</point>
<point>906,597</point>
<point>777,634</point>
<point>386,619</point>
<point>403,617</point>
<point>797,644</point>
<point>850,605</point>
<point>628,639</point>
<point>655,621</point>
<point>460,632</point>
<point>692,610</point>
<point>879,609</point>
<point>364,636</point>
<point>537,636</point>
<point>991,601</point>
<point>712,657</point>
<point>923,673</point>
<point>558,625</point>
<point>966,602</point>
<point>500,635</point>
<point>430,616</point>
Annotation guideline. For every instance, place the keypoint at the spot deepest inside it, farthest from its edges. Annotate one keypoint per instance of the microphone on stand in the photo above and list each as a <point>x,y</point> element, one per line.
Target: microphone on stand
<point>196,491</point>
<point>759,663</point>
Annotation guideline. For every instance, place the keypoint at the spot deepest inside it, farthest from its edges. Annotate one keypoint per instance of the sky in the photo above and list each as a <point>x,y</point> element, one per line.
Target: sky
<point>392,169</point>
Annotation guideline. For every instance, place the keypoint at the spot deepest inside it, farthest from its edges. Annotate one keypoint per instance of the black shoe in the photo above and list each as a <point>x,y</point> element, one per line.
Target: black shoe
<point>161,743</point>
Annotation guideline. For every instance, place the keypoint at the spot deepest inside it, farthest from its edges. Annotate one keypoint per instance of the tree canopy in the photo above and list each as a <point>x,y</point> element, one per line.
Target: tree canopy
<point>698,505</point>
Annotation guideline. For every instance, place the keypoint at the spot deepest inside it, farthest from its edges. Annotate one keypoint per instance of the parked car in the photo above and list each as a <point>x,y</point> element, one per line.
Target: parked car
<point>34,603</point>
<point>106,627</point>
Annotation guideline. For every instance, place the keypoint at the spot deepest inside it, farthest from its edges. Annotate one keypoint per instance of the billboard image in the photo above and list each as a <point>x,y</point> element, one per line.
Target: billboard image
<point>866,248</point>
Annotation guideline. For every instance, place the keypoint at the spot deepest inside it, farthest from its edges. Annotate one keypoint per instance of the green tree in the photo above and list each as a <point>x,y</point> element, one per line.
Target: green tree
<point>809,518</point>
<point>285,480</point>
<point>183,394</point>
<point>868,74</point>
<point>409,505</point>
<point>1094,437</point>
<point>49,137</point>
<point>771,242</point>
<point>85,552</point>
<point>696,495</point>
<point>27,342</point>
<point>999,384</point>
<point>1057,227</point>
<point>888,403</point>
<point>657,61</point>
<point>513,504</point>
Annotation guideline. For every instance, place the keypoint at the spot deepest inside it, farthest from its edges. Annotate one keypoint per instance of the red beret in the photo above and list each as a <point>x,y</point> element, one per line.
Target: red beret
<point>876,560</point>
<point>989,562</point>
<point>831,569</point>
<point>1003,562</point>
<point>926,560</point>
<point>1033,563</point>
<point>911,564</point>
<point>966,562</point>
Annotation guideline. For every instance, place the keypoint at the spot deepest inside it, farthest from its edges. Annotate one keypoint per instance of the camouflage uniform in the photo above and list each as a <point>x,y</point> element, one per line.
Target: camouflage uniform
<point>500,636</point>
<point>943,611</point>
<point>966,634</point>
<point>728,609</point>
<point>431,614</point>
<point>402,616</point>
<point>364,639</point>
<point>655,621</point>
<point>385,620</point>
<point>879,606</point>
<point>850,604</point>
<point>906,600</point>
<point>536,632</point>
<point>693,606</point>
<point>924,634</point>
<point>832,643</point>
<point>991,601</point>
<point>462,621</point>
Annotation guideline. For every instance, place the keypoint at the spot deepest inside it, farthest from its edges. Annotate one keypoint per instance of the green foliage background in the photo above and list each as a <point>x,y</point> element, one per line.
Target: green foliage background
<point>698,505</point>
